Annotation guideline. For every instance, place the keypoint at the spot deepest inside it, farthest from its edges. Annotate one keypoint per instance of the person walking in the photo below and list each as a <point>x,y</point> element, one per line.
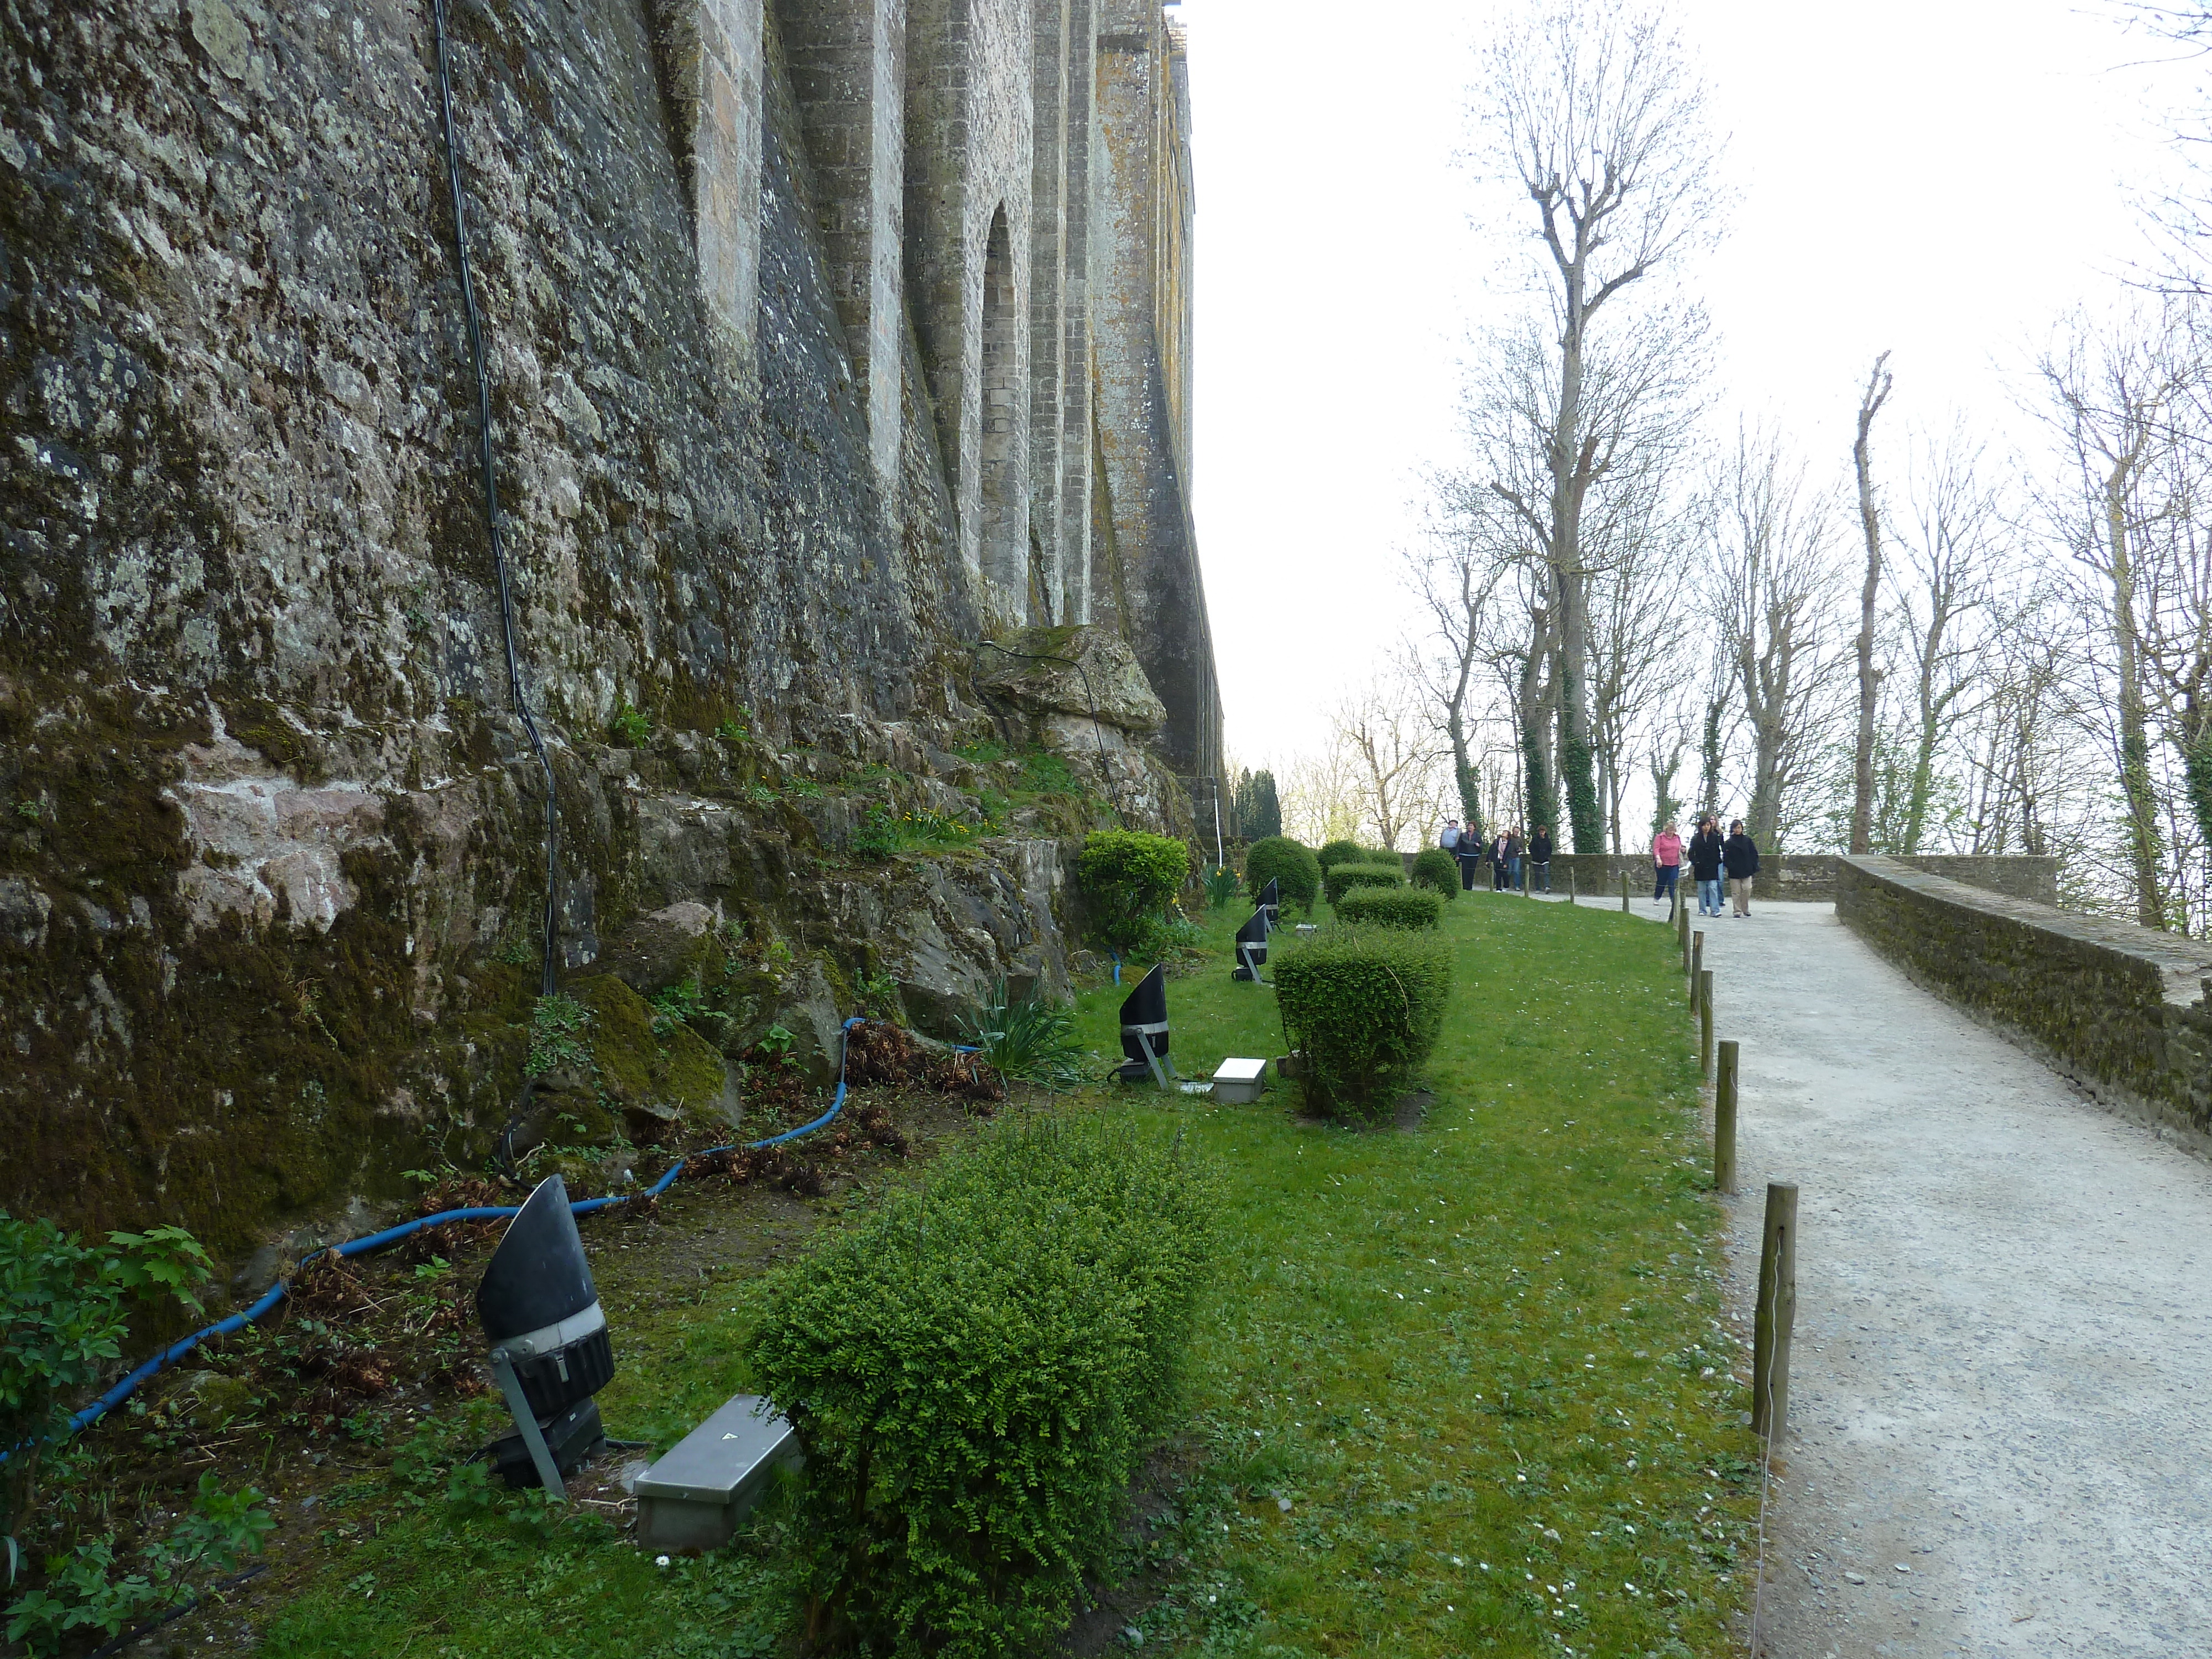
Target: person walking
<point>1467,849</point>
<point>1448,837</point>
<point>1740,854</point>
<point>1512,860</point>
<point>1666,856</point>
<point>1497,863</point>
<point>1705,854</point>
<point>1539,860</point>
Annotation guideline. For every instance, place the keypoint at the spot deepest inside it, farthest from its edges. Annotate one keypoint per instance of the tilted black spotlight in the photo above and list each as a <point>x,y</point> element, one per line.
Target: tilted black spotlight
<point>550,1349</point>
<point>1270,903</point>
<point>1145,1030</point>
<point>1252,947</point>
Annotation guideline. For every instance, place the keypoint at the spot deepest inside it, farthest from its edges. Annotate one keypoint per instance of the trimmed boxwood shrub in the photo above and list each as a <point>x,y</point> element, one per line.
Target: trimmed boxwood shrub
<point>1389,907</point>
<point>1334,853</point>
<point>1362,1007</point>
<point>1127,878</point>
<point>1290,864</point>
<point>1344,877</point>
<point>1437,871</point>
<point>975,1371</point>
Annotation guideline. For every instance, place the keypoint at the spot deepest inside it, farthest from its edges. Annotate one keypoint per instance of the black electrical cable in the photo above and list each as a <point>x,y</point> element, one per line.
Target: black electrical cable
<point>132,1638</point>
<point>550,979</point>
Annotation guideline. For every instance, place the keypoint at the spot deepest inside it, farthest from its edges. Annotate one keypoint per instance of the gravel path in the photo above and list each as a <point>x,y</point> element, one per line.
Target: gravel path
<point>2001,1423</point>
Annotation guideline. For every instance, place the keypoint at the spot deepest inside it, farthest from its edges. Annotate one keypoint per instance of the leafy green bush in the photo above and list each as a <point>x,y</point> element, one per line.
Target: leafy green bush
<point>1363,1008</point>
<point>83,1592</point>
<point>1342,877</point>
<point>976,1371</point>
<point>1437,871</point>
<point>1127,878</point>
<point>63,1311</point>
<point>1389,907</point>
<point>1334,853</point>
<point>1033,1040</point>
<point>1289,864</point>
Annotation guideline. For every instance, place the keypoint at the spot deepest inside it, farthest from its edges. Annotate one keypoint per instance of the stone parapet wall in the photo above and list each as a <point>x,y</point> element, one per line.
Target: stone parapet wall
<point>2117,1008</point>
<point>1810,877</point>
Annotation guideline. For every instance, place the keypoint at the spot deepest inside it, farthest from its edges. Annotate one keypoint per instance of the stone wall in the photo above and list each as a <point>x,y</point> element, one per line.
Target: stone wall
<point>2119,1008</point>
<point>272,847</point>
<point>1811,876</point>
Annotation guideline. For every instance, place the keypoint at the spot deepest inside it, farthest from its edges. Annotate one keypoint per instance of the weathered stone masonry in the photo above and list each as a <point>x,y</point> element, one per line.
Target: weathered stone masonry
<point>2120,1009</point>
<point>827,337</point>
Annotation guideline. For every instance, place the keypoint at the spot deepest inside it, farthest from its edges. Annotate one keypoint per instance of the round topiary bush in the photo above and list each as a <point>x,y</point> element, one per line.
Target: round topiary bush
<point>1437,871</point>
<point>1127,878</point>
<point>1344,877</point>
<point>1334,853</point>
<point>1362,1007</point>
<point>1390,907</point>
<point>1289,864</point>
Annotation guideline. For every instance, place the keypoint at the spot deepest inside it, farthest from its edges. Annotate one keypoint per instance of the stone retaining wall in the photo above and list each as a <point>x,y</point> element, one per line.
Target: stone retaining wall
<point>2117,1008</point>
<point>1808,876</point>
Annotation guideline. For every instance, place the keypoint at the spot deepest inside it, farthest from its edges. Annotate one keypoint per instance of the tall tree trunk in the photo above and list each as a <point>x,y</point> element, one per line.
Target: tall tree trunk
<point>1709,755</point>
<point>2136,786</point>
<point>1877,391</point>
<point>1464,777</point>
<point>1570,471</point>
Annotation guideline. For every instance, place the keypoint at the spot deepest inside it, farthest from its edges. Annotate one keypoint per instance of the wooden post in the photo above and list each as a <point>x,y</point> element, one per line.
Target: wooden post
<point>1571,883</point>
<point>1705,1023</point>
<point>1624,892</point>
<point>1682,924</point>
<point>1695,964</point>
<point>1778,1313</point>
<point>1524,877</point>
<point>1724,1121</point>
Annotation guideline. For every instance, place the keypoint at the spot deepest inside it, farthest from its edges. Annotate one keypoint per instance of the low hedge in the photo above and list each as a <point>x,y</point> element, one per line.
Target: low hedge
<point>1362,1007</point>
<point>1342,877</point>
<point>1127,878</point>
<point>1334,853</point>
<point>1389,907</point>
<point>976,1371</point>
<point>1289,864</point>
<point>1437,871</point>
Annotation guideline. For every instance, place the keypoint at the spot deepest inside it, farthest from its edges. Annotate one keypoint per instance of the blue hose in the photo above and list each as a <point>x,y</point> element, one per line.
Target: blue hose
<point>176,1351</point>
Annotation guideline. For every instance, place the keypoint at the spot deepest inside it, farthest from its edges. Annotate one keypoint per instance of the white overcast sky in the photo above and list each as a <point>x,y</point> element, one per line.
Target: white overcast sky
<point>1939,178</point>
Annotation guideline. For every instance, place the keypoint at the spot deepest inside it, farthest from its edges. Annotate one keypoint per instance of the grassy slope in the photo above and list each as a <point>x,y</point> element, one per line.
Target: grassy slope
<point>1481,1343</point>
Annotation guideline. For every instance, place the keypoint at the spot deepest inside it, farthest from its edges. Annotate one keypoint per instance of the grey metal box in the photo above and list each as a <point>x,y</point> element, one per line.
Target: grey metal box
<point>1238,1082</point>
<point>694,1498</point>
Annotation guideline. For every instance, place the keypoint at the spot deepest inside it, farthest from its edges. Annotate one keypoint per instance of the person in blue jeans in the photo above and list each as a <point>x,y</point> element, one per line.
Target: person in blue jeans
<point>1512,860</point>
<point>1539,860</point>
<point>1704,853</point>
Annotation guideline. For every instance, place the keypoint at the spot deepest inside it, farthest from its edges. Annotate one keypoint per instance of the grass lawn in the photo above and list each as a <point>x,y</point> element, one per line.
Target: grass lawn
<point>1461,1390</point>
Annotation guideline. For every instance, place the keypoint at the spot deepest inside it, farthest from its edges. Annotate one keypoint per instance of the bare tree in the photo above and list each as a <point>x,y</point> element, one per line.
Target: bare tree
<point>1957,520</point>
<point>2113,400</point>
<point>1468,553</point>
<point>1387,736</point>
<point>1598,116</point>
<point>1879,386</point>
<point>1636,633</point>
<point>1774,560</point>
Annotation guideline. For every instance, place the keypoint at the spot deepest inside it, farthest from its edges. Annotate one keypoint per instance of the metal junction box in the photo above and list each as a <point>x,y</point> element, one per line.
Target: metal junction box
<point>694,1498</point>
<point>1238,1082</point>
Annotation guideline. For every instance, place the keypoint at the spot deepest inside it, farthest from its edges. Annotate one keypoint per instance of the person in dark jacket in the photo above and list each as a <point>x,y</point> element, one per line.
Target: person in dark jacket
<point>1539,860</point>
<point>1469,852</point>
<point>1704,852</point>
<point>1739,854</point>
<point>1511,860</point>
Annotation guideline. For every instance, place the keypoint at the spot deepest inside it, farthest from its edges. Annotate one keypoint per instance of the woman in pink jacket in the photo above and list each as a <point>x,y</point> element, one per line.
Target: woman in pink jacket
<point>1667,854</point>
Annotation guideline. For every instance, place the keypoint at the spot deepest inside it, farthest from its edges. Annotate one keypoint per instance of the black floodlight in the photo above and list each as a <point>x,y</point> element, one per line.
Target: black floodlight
<point>549,1342</point>
<point>1145,1030</point>
<point>1252,947</point>
<point>1270,903</point>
